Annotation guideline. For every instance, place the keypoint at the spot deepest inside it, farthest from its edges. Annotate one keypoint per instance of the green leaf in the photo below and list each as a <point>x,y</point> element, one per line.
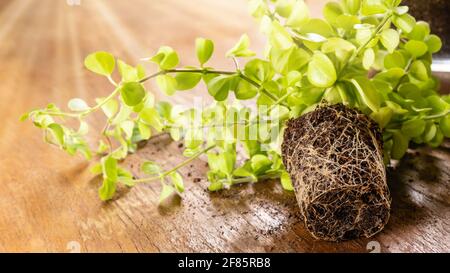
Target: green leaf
<point>395,59</point>
<point>127,127</point>
<point>284,7</point>
<point>260,164</point>
<point>286,182</point>
<point>372,7</point>
<point>352,6</point>
<point>100,62</point>
<point>342,48</point>
<point>109,168</point>
<point>166,192</point>
<point>150,167</point>
<point>177,181</point>
<point>444,125</point>
<point>110,107</point>
<point>187,80</point>
<point>390,39</point>
<point>416,48</point>
<point>419,70</point>
<point>132,93</point>
<point>107,190</point>
<point>284,61</point>
<point>321,71</point>
<point>429,132</point>
<point>420,31</point>
<point>166,58</point>
<point>434,43</point>
<point>404,22</point>
<point>299,14</point>
<point>204,49</point>
<point>215,186</point>
<point>400,145</point>
<point>368,58</point>
<point>57,132</point>
<point>317,26</point>
<point>259,70</point>
<point>279,37</point>
<point>413,128</point>
<point>78,105</point>
<point>347,22</point>
<point>331,12</point>
<point>220,86</point>
<point>245,90</point>
<point>151,117</point>
<point>167,84</point>
<point>367,92</point>
<point>438,105</point>
<point>438,139</point>
<point>144,131</point>
<point>382,116</point>
<point>241,49</point>
<point>96,169</point>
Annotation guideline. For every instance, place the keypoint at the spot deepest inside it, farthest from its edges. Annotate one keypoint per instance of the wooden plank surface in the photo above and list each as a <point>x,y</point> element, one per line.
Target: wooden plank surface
<point>48,200</point>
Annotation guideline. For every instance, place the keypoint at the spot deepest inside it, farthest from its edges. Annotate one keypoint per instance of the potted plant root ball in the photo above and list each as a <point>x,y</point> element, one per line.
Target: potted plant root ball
<point>328,127</point>
<point>334,156</point>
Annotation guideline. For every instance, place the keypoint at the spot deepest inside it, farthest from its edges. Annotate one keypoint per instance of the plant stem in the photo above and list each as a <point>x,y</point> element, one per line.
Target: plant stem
<point>86,112</point>
<point>251,179</point>
<point>182,164</point>
<point>205,71</point>
<point>437,116</point>
<point>363,46</point>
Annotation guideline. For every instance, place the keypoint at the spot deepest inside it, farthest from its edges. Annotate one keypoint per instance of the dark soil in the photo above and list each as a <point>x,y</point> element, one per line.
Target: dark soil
<point>435,12</point>
<point>335,160</point>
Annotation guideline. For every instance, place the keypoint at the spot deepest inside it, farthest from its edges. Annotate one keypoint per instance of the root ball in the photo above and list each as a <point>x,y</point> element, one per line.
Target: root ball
<point>335,160</point>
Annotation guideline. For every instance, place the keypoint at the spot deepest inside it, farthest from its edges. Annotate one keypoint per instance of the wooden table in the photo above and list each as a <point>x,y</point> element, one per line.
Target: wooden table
<point>48,200</point>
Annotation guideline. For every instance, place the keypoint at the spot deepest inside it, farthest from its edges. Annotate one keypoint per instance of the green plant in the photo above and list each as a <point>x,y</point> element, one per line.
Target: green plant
<point>307,61</point>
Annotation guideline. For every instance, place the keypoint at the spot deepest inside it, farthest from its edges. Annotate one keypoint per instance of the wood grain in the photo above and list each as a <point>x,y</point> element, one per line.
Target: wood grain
<point>48,200</point>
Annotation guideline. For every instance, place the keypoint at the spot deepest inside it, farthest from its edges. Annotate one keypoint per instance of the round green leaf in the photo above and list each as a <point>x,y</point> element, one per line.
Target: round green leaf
<point>204,49</point>
<point>413,128</point>
<point>419,70</point>
<point>241,48</point>
<point>299,15</point>
<point>100,62</point>
<point>286,182</point>
<point>404,22</point>
<point>166,58</point>
<point>368,58</point>
<point>132,93</point>
<point>57,132</point>
<point>444,124</point>
<point>245,90</point>
<point>352,6</point>
<point>430,132</point>
<point>167,84</point>
<point>219,87</point>
<point>395,59</point>
<point>367,92</point>
<point>400,145</point>
<point>331,11</point>
<point>151,117</point>
<point>321,71</point>
<point>434,43</point>
<point>390,39</point>
<point>420,31</point>
<point>416,48</point>
<point>187,80</point>
<point>177,181</point>
<point>78,105</point>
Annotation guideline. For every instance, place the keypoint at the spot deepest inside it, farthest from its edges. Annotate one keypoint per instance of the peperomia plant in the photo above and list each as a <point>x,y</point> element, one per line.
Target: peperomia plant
<point>366,54</point>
